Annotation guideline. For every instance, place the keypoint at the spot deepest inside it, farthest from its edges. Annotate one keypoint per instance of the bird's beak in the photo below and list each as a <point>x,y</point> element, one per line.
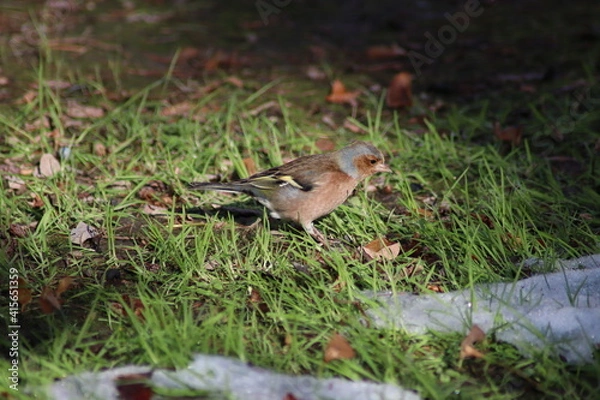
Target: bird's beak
<point>382,168</point>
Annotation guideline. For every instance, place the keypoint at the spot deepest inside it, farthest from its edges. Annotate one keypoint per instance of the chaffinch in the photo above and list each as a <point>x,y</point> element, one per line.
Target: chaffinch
<point>308,187</point>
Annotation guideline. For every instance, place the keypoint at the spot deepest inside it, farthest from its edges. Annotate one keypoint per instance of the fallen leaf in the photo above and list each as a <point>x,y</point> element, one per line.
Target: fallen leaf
<point>352,127</point>
<point>399,93</point>
<point>382,52</point>
<point>16,184</point>
<point>256,301</point>
<point>179,109</point>
<point>340,95</point>
<point>221,60</point>
<point>325,144</point>
<point>382,248</point>
<point>250,165</point>
<point>120,185</point>
<point>82,232</point>
<point>69,47</point>
<point>271,104</point>
<point>57,84</point>
<point>134,386</point>
<point>99,149</point>
<point>511,134</point>
<point>48,301</point>
<point>338,348</point>
<point>235,81</point>
<point>63,285</point>
<point>435,288</point>
<point>49,166</point>
<point>19,230</point>
<point>28,97</point>
<point>476,334</point>
<point>36,201</point>
<point>76,110</point>
<point>150,209</point>
<point>133,304</point>
<point>38,124</point>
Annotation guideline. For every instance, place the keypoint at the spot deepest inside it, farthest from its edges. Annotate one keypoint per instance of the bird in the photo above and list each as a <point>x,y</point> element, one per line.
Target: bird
<point>308,187</point>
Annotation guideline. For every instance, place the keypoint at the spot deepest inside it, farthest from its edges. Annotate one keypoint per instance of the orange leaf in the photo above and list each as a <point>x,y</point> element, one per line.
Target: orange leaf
<point>250,165</point>
<point>382,248</point>
<point>63,285</point>
<point>512,134</point>
<point>400,91</point>
<point>338,348</point>
<point>325,144</point>
<point>340,95</point>
<point>48,301</point>
<point>382,52</point>
<point>466,347</point>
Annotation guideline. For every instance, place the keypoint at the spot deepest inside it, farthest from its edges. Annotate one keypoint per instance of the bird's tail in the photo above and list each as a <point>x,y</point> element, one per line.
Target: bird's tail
<point>220,187</point>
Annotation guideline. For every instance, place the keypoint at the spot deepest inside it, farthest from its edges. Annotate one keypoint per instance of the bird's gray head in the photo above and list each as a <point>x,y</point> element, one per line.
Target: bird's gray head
<point>361,159</point>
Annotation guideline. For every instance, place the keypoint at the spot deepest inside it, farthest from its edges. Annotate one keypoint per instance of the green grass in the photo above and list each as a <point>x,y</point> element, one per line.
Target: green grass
<point>465,208</point>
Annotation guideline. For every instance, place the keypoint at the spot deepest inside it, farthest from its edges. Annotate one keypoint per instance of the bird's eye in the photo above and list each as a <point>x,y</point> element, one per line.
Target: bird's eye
<point>373,161</point>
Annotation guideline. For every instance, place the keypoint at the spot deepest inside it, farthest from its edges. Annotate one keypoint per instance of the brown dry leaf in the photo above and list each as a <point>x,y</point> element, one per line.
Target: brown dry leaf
<point>352,127</point>
<point>221,60</point>
<point>65,46</point>
<point>28,97</point>
<point>476,334</point>
<point>325,144</point>
<point>120,185</point>
<point>36,201</point>
<point>256,301</point>
<point>399,93</point>
<point>38,124</point>
<point>235,81</point>
<point>338,348</point>
<point>24,294</point>
<point>250,165</point>
<point>134,386</point>
<point>511,134</point>
<point>435,288</point>
<point>82,232</point>
<point>48,301</point>
<point>63,285</point>
<point>99,149</point>
<point>382,248</point>
<point>271,104</point>
<point>19,230</point>
<point>179,109</point>
<point>157,193</point>
<point>340,95</point>
<point>383,52</point>
<point>57,84</point>
<point>150,209</point>
<point>486,220</point>
<point>16,184</point>
<point>49,166</point>
<point>77,110</point>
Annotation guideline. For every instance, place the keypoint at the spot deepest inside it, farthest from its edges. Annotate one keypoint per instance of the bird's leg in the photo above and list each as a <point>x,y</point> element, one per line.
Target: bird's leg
<point>318,236</point>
